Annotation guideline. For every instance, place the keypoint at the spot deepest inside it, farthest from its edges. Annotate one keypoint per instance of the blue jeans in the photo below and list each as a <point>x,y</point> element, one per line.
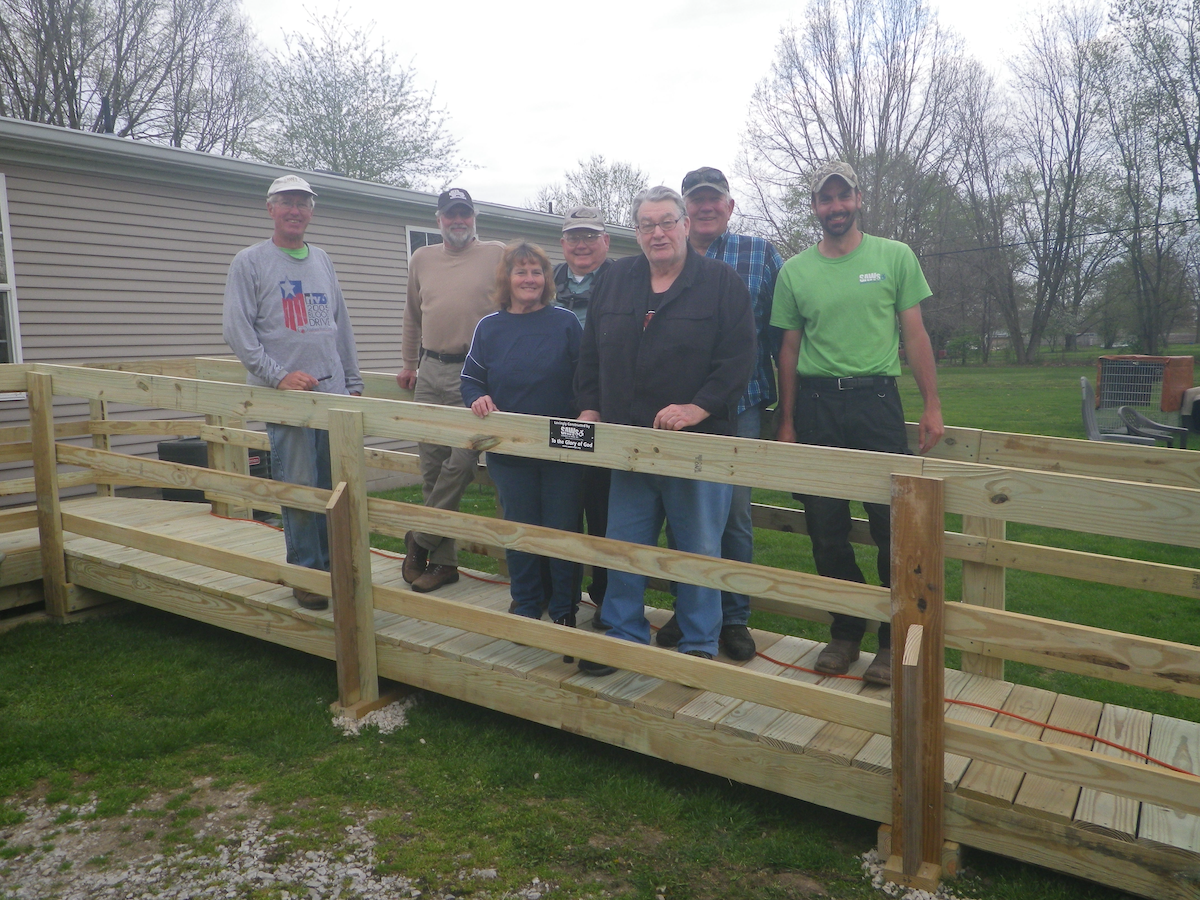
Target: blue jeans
<point>697,510</point>
<point>539,492</point>
<point>301,456</point>
<point>737,543</point>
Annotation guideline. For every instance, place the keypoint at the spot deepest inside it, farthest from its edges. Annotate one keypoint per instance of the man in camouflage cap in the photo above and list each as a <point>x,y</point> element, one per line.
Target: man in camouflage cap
<point>851,297</point>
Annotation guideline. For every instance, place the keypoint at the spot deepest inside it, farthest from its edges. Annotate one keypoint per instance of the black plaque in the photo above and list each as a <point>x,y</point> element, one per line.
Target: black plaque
<point>569,434</point>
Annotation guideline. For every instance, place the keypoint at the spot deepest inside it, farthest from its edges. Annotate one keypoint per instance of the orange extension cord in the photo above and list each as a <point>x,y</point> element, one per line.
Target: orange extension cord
<point>1000,712</point>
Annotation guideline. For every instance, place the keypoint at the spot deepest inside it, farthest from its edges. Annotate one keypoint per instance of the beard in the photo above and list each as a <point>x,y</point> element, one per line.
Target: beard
<point>460,240</point>
<point>838,229</point>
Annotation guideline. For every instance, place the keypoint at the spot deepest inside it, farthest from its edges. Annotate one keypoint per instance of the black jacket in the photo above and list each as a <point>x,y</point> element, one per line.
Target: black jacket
<point>698,347</point>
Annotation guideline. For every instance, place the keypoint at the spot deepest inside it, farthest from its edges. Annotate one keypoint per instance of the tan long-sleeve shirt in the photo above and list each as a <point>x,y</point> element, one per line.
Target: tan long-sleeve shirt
<point>449,291</point>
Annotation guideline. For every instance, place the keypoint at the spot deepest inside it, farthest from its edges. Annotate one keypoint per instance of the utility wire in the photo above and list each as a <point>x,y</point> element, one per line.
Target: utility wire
<point>1083,236</point>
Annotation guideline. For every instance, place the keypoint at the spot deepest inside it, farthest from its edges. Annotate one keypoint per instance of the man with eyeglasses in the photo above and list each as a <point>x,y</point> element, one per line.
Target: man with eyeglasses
<point>585,245</point>
<point>709,207</point>
<point>844,303</point>
<point>668,344</point>
<point>285,319</point>
<point>449,291</point>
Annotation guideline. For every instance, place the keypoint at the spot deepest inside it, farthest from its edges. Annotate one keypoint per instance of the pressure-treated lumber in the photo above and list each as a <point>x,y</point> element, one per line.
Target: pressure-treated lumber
<point>1116,508</point>
<point>198,553</point>
<point>395,518</point>
<point>191,477</point>
<point>341,578</point>
<point>50,529</point>
<point>1147,662</point>
<point>832,706</point>
<point>345,452</point>
<point>1103,810</point>
<point>918,667</point>
<point>1178,744</point>
<point>98,412</point>
<point>999,784</point>
<point>983,585</point>
<point>812,777</point>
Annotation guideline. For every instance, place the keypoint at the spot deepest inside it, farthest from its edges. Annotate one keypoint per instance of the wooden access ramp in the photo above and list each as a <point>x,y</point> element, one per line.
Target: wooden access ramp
<point>1069,802</point>
<point>834,765</point>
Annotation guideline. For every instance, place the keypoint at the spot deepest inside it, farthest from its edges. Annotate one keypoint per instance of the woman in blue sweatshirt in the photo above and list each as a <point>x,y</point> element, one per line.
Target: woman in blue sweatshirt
<point>522,359</point>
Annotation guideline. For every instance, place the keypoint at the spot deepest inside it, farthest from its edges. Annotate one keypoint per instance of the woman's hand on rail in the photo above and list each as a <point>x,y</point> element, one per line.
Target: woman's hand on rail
<point>483,406</point>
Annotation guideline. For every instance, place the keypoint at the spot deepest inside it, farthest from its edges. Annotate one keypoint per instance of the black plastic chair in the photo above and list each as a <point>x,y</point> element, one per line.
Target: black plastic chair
<point>1093,429</point>
<point>1136,423</point>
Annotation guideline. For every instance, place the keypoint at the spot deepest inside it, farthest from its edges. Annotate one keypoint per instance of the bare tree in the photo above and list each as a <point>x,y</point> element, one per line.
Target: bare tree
<point>187,72</point>
<point>1059,105</point>
<point>610,187</point>
<point>346,104</point>
<point>217,88</point>
<point>988,155</point>
<point>1149,176</point>
<point>1164,38</point>
<point>872,82</point>
<point>46,48</point>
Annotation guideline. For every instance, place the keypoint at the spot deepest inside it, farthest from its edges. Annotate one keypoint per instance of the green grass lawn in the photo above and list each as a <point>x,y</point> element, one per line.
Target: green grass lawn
<point>146,703</point>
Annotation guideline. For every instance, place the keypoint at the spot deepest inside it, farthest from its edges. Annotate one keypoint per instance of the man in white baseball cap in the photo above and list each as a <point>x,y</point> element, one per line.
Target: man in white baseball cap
<point>286,320</point>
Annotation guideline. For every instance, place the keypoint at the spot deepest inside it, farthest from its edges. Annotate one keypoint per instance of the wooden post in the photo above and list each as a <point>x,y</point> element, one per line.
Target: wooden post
<point>227,458</point>
<point>346,456</point>
<point>918,676</point>
<point>49,512</point>
<point>98,412</point>
<point>345,623</point>
<point>983,585</point>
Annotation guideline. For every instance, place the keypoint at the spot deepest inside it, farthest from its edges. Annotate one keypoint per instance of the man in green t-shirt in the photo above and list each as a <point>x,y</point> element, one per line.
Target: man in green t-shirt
<point>843,305</point>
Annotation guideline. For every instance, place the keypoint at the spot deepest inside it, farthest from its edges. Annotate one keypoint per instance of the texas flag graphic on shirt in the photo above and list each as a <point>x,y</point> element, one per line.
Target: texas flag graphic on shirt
<point>295,310</point>
<point>304,312</point>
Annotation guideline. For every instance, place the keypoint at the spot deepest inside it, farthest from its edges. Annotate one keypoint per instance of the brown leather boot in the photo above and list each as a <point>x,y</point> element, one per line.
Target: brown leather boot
<point>880,670</point>
<point>836,658</point>
<point>434,577</point>
<point>416,559</point>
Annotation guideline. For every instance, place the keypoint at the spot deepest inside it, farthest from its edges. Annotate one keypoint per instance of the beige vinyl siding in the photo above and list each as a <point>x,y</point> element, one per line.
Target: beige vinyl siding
<point>113,269</point>
<point>121,251</point>
<point>110,269</point>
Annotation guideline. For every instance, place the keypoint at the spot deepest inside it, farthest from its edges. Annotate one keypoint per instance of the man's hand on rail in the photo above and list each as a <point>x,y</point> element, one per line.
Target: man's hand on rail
<point>297,381</point>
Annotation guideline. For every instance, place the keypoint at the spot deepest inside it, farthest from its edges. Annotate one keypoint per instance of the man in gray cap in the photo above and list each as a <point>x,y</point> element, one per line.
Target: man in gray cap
<point>709,207</point>
<point>852,296</point>
<point>585,245</point>
<point>449,291</point>
<point>286,320</point>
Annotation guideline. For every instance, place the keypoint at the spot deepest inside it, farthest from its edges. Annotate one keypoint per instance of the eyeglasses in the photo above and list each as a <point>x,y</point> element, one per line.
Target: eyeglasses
<point>294,202</point>
<point>587,237</point>
<point>667,225</point>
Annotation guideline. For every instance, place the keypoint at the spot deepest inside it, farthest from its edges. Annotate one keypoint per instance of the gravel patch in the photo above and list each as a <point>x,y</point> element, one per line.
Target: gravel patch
<point>58,854</point>
<point>873,863</point>
<point>387,719</point>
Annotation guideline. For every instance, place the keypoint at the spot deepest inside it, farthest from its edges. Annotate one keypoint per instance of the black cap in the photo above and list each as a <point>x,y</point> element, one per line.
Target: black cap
<point>705,177</point>
<point>454,197</point>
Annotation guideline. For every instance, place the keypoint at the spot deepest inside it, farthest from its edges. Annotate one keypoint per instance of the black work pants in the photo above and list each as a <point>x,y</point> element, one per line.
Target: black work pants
<point>865,418</point>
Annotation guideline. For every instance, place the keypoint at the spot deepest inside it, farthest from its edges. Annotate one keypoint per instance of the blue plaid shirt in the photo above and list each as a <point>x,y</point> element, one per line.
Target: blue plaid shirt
<point>758,262</point>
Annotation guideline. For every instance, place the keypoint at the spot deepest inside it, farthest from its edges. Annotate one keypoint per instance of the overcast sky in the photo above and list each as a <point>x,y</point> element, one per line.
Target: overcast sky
<point>662,84</point>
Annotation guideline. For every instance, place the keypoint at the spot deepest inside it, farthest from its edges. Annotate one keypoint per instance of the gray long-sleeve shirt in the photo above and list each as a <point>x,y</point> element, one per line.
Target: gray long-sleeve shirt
<point>283,314</point>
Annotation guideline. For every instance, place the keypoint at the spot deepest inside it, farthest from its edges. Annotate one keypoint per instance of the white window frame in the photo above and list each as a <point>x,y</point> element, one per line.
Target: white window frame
<point>8,286</point>
<point>410,230</point>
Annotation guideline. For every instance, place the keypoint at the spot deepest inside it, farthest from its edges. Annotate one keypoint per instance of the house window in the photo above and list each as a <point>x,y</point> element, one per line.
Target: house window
<point>10,333</point>
<point>418,239</point>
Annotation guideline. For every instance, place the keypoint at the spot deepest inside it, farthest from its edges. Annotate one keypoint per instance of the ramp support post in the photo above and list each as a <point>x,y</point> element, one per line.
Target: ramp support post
<point>918,675</point>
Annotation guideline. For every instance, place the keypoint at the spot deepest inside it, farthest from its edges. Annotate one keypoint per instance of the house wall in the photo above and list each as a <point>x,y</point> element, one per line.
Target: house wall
<point>121,250</point>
